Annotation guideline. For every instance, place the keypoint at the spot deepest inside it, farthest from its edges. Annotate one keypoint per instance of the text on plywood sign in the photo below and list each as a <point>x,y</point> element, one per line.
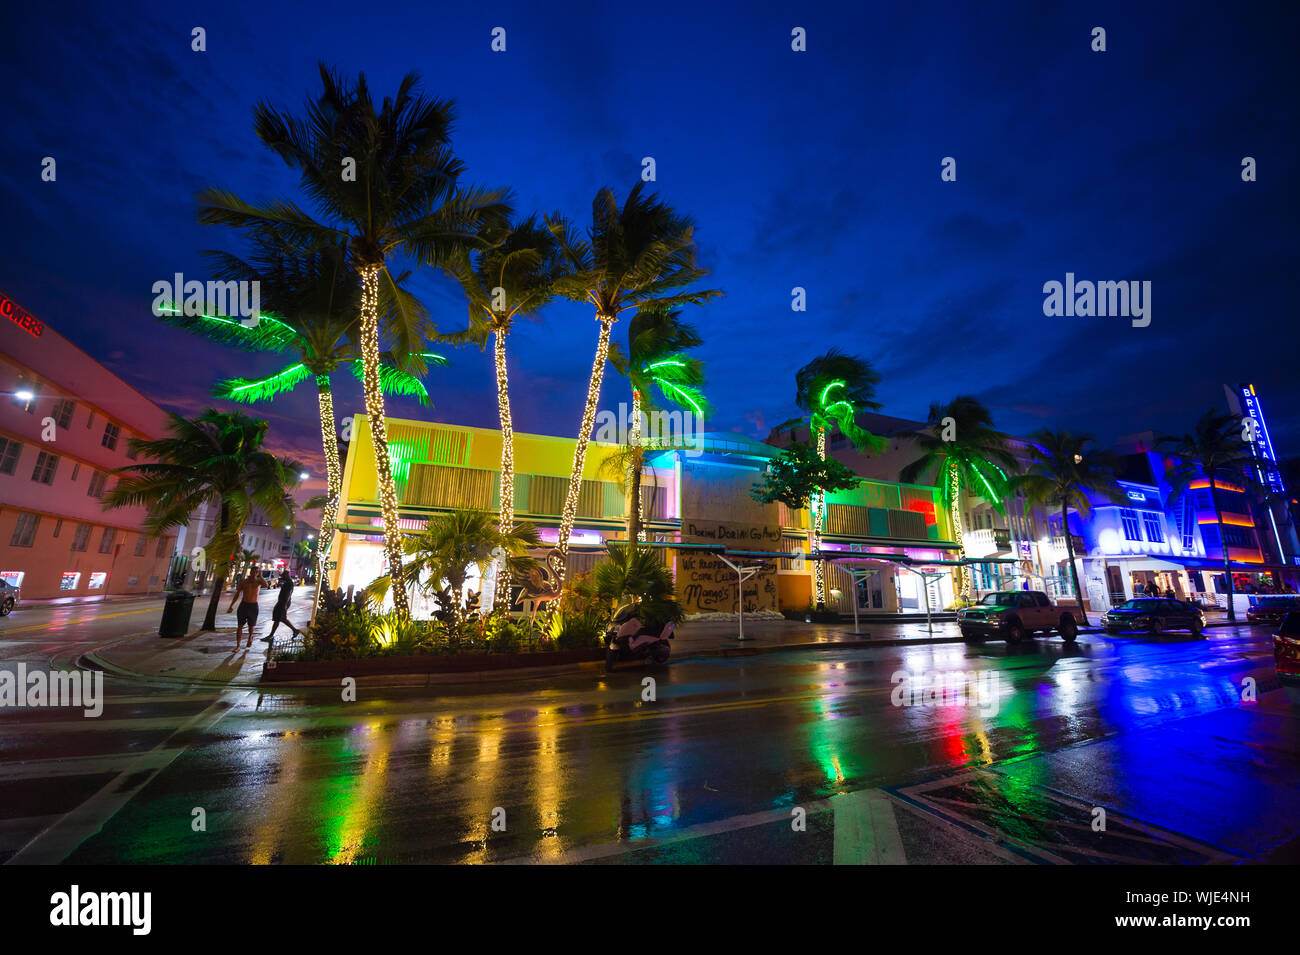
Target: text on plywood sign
<point>707,585</point>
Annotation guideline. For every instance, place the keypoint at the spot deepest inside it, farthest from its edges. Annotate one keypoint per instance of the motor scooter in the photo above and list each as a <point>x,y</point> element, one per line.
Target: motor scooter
<point>630,638</point>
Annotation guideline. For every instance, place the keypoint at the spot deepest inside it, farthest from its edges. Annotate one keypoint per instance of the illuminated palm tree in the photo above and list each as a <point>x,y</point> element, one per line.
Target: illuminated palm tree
<point>960,451</point>
<point>832,389</point>
<point>386,182</point>
<point>1215,451</point>
<point>1063,472</point>
<point>216,457</point>
<point>639,255</point>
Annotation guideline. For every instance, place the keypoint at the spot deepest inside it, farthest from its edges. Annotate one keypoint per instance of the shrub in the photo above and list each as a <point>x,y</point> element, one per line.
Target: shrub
<point>577,631</point>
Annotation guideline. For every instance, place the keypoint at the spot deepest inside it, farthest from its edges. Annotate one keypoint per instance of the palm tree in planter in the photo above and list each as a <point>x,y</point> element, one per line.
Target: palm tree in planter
<point>1062,473</point>
<point>961,451</point>
<point>385,181</point>
<point>832,389</point>
<point>511,276</point>
<point>641,255</point>
<point>311,314</point>
<point>637,574</point>
<point>656,360</point>
<point>217,457</point>
<point>1214,451</point>
<point>453,542</point>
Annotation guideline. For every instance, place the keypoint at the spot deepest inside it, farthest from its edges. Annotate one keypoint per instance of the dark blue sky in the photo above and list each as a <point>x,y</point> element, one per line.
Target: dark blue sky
<point>817,169</point>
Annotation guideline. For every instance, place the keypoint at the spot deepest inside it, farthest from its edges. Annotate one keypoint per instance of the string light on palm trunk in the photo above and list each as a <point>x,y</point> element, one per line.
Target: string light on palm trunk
<point>379,432</point>
<point>501,600</point>
<point>954,509</point>
<point>819,504</point>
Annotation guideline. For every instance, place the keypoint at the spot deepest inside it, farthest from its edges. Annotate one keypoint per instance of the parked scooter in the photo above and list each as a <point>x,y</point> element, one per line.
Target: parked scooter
<point>629,638</point>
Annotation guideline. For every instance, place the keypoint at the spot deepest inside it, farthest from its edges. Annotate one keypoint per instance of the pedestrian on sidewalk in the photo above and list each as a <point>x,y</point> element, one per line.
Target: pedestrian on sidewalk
<point>280,613</point>
<point>248,590</point>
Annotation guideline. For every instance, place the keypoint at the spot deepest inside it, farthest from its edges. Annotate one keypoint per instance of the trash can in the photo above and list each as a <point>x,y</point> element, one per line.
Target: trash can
<point>176,614</point>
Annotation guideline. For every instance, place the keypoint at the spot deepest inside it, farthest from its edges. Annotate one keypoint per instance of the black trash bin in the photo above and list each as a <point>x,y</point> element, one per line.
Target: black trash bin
<point>176,614</point>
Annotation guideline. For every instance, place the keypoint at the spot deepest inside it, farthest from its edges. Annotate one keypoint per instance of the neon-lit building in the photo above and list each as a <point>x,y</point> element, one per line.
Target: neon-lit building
<point>696,497</point>
<point>65,422</point>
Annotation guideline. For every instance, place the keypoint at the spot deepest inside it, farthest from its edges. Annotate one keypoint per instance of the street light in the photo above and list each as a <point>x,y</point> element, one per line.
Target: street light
<point>24,395</point>
<point>303,476</point>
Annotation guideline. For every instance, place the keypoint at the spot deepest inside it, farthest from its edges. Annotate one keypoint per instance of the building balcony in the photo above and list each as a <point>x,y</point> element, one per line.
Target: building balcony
<point>988,542</point>
<point>1059,551</point>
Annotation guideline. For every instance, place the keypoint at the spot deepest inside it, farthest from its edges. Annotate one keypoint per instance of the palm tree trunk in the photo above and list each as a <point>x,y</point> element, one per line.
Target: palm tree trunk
<point>632,497</point>
<point>819,508</point>
<point>379,431</point>
<point>958,531</point>
<point>1069,551</point>
<point>333,486</point>
<point>1223,544</point>
<point>558,558</point>
<point>506,519</point>
<point>220,571</point>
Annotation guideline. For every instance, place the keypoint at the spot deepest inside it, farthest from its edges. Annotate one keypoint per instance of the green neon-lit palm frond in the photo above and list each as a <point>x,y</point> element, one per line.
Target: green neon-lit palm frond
<point>269,334</point>
<point>395,381</point>
<point>252,390</point>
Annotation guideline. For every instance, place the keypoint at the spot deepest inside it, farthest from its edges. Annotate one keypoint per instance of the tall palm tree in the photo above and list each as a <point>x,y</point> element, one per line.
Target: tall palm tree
<point>453,542</point>
<point>961,451</point>
<point>512,276</point>
<point>1214,450</point>
<point>656,361</point>
<point>310,301</point>
<point>832,389</point>
<point>639,255</point>
<point>1063,472</point>
<point>403,198</point>
<point>215,457</point>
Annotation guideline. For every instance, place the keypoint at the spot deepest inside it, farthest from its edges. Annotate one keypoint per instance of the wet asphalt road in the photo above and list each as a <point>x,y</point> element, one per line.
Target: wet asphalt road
<point>783,757</point>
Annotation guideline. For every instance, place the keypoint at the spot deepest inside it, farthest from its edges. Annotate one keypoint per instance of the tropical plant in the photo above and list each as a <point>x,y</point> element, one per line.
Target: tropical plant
<point>385,181</point>
<point>656,361</point>
<point>641,255</point>
<point>832,389</point>
<point>961,451</point>
<point>636,574</point>
<point>512,276</point>
<point>1063,472</point>
<point>1213,451</point>
<point>217,457</point>
<point>799,475</point>
<point>576,630</point>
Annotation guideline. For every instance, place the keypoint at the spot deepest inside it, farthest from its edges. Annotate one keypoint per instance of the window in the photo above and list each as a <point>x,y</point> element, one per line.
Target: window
<point>62,412</point>
<point>1129,518</point>
<point>97,481</point>
<point>97,579</point>
<point>106,541</point>
<point>162,547</point>
<point>69,581</point>
<point>25,530</point>
<point>1152,523</point>
<point>9,451</point>
<point>140,542</point>
<point>58,526</point>
<point>81,538</point>
<point>111,434</point>
<point>46,464</point>
<point>90,420</point>
<point>76,469</point>
<point>131,452</point>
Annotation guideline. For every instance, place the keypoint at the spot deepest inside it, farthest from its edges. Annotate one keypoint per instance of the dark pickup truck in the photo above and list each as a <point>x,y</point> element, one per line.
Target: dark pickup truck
<point>1013,614</point>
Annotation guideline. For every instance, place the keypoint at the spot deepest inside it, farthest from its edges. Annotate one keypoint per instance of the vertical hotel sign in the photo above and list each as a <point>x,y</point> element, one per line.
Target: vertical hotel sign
<point>24,319</point>
<point>1263,444</point>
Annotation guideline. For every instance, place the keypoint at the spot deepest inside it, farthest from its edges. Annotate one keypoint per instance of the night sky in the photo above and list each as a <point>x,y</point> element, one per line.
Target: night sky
<point>818,169</point>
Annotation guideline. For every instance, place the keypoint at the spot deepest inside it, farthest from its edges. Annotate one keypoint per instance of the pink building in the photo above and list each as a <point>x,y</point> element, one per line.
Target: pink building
<point>65,421</point>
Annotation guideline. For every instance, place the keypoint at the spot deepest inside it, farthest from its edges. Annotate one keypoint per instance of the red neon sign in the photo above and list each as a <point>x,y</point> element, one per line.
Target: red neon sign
<point>20,316</point>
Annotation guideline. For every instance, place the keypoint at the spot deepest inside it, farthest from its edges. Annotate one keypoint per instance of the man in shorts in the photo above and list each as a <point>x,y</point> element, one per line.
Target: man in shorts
<point>247,590</point>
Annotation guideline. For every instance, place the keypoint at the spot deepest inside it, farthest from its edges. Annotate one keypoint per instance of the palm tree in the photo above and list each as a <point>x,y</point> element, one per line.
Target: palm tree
<point>1063,471</point>
<point>403,198</point>
<point>451,543</point>
<point>512,276</point>
<point>832,389</point>
<point>655,361</point>
<point>310,301</point>
<point>1213,450</point>
<point>640,255</point>
<point>960,451</point>
<point>637,573</point>
<point>217,457</point>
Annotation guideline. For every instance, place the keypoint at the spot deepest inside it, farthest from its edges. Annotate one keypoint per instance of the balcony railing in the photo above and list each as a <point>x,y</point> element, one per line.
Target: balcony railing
<point>987,542</point>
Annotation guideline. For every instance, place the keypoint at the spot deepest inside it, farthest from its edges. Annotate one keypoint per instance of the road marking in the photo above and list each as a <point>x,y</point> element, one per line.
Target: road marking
<point>60,625</point>
<point>866,832</point>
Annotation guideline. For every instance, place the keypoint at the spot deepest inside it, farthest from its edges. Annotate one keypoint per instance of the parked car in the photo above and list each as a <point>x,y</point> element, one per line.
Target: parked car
<point>1286,655</point>
<point>1013,614</point>
<point>9,597</point>
<point>1271,608</point>
<point>1153,615</point>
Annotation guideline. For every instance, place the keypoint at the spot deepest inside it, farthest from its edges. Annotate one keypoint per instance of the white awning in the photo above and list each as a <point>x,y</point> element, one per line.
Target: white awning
<point>1144,563</point>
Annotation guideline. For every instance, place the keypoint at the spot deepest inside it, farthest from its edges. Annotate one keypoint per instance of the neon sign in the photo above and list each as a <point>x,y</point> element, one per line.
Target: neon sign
<point>1262,446</point>
<point>20,316</point>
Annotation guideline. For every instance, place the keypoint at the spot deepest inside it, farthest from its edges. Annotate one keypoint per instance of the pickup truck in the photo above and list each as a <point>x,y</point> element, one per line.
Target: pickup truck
<point>1011,614</point>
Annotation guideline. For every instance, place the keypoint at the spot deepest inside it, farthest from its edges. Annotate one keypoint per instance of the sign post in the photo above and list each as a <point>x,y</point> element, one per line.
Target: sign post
<point>743,573</point>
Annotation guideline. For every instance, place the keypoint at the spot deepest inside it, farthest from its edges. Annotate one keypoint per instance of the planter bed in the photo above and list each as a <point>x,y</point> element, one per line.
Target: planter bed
<point>288,670</point>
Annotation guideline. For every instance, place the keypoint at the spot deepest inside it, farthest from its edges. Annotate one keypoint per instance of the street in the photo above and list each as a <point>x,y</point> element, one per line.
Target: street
<point>790,757</point>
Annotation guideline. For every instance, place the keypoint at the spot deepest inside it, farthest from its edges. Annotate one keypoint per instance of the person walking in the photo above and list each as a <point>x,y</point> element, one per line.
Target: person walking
<point>247,591</point>
<point>280,614</point>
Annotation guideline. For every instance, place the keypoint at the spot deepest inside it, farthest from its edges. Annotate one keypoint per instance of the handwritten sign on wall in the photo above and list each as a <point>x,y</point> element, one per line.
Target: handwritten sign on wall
<point>707,585</point>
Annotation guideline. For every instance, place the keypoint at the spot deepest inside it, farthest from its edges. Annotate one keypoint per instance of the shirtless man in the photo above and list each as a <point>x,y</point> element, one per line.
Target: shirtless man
<point>247,591</point>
